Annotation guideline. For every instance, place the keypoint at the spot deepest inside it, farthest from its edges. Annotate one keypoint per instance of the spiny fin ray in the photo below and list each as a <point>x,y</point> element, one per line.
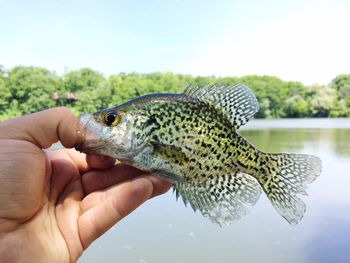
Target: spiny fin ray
<point>237,102</point>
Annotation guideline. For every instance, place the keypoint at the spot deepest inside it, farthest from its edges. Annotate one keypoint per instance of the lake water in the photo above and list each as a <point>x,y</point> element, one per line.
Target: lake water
<point>164,230</point>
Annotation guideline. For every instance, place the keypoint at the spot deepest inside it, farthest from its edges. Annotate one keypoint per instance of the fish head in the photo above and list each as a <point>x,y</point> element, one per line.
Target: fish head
<point>108,132</point>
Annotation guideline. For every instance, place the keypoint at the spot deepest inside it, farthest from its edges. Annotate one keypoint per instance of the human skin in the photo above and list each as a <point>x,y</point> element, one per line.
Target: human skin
<point>54,204</point>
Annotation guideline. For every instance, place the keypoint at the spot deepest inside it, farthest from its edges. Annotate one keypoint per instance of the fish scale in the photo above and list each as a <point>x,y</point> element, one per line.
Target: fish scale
<point>191,140</point>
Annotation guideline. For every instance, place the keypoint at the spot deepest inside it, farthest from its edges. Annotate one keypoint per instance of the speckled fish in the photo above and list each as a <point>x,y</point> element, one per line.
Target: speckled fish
<point>191,140</point>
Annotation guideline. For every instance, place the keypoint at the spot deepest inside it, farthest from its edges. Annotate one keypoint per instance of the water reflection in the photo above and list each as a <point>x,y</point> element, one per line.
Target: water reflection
<point>165,231</point>
<point>297,140</point>
<point>341,142</point>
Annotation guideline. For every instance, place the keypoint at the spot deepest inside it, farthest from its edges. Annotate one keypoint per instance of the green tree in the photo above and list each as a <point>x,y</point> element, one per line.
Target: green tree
<point>94,100</point>
<point>128,86</point>
<point>31,88</point>
<point>341,81</point>
<point>5,96</point>
<point>271,92</point>
<point>2,72</point>
<point>322,101</point>
<point>28,89</point>
<point>296,107</point>
<point>81,90</point>
<point>227,81</point>
<point>342,86</point>
<point>203,81</point>
<point>82,79</point>
<point>340,109</point>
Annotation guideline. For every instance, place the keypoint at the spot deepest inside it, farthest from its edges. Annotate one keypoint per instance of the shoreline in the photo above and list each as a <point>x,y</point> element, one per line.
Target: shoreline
<point>298,123</point>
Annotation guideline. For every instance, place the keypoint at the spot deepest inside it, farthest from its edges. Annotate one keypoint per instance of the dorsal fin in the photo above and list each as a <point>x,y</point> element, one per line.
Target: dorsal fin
<point>237,102</point>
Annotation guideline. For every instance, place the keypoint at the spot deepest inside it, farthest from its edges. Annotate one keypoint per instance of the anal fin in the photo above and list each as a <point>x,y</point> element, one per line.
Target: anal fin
<point>221,198</point>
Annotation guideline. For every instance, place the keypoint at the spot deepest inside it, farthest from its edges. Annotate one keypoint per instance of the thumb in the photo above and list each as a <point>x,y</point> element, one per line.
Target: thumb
<point>43,128</point>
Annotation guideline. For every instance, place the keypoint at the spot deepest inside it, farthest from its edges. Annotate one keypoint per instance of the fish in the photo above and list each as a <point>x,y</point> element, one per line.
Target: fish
<point>191,139</point>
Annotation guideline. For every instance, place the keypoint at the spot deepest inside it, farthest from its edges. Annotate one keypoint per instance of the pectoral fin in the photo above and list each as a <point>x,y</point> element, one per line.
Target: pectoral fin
<point>171,156</point>
<point>169,153</point>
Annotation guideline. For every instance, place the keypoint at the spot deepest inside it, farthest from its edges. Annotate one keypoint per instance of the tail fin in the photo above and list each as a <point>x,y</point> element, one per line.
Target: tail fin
<point>283,177</point>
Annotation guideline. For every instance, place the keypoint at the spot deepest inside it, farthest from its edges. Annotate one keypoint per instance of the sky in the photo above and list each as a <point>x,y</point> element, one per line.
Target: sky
<point>307,41</point>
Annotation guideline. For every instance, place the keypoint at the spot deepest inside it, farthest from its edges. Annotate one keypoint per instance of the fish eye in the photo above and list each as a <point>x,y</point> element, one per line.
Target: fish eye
<point>112,119</point>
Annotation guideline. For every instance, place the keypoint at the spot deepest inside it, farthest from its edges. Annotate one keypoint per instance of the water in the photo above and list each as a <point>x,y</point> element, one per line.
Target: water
<point>164,230</point>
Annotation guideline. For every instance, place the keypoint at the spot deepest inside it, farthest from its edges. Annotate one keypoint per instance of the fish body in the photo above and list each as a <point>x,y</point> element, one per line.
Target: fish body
<point>191,140</point>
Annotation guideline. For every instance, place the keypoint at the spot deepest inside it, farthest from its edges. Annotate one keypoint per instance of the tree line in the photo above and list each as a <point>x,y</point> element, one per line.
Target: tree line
<point>25,90</point>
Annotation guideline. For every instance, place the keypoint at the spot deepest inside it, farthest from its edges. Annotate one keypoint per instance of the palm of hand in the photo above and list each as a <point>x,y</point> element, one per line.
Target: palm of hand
<point>54,204</point>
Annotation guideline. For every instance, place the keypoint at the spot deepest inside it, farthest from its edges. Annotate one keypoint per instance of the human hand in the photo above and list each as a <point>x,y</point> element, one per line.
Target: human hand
<point>54,204</point>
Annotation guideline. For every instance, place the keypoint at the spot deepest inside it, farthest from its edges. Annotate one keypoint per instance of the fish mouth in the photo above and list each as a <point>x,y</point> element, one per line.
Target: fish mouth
<point>89,135</point>
<point>91,147</point>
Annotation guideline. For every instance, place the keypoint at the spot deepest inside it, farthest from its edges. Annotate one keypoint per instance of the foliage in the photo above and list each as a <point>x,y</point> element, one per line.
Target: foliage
<point>296,107</point>
<point>322,101</point>
<point>5,95</point>
<point>31,89</point>
<point>341,84</point>
<point>84,79</point>
<point>28,89</point>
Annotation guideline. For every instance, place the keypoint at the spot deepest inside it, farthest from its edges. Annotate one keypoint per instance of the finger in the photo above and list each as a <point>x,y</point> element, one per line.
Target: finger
<point>160,186</point>
<point>100,161</point>
<point>81,161</point>
<point>43,128</point>
<point>74,157</point>
<point>97,180</point>
<point>66,165</point>
<point>98,219</point>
